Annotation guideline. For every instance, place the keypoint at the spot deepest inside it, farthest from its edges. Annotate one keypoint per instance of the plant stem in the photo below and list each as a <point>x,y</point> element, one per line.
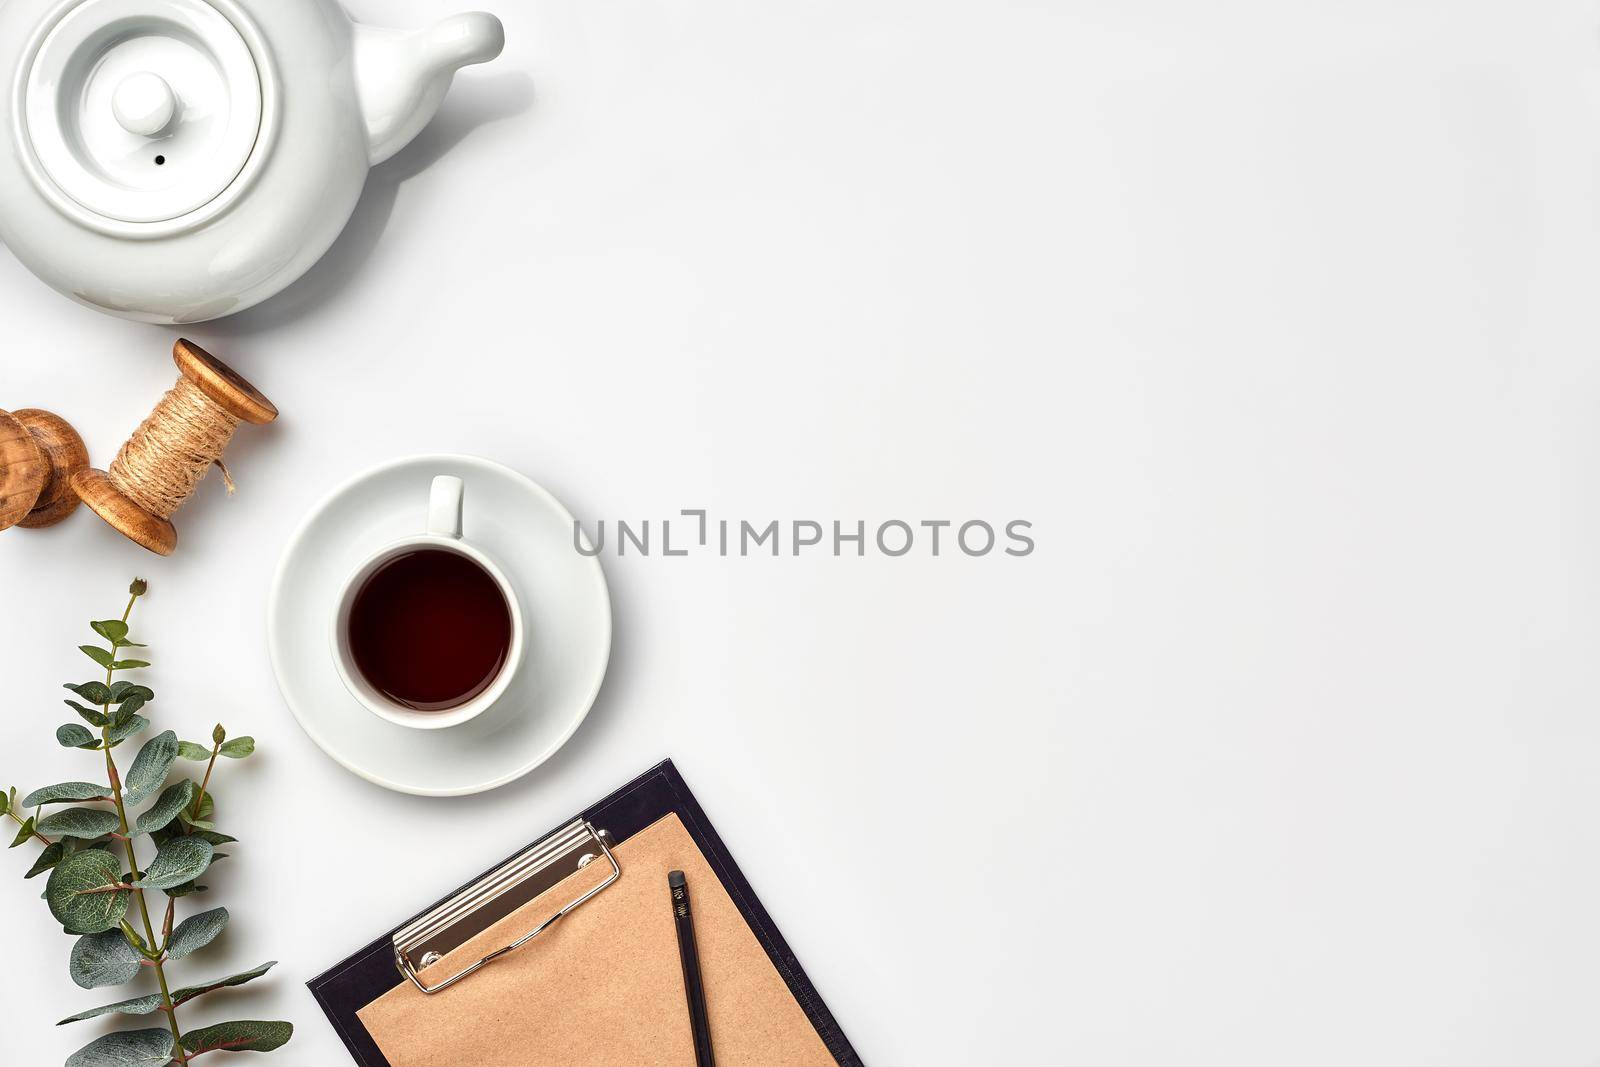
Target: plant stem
<point>200,798</point>
<point>115,781</point>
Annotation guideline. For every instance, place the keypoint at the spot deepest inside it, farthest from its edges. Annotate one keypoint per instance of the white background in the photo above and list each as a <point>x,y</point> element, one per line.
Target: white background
<point>1277,320</point>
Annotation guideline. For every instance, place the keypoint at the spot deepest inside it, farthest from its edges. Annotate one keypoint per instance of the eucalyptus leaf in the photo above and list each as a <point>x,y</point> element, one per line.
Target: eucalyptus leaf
<point>233,1037</point>
<point>201,819</point>
<point>150,767</point>
<point>196,932</point>
<point>190,751</point>
<point>80,895</point>
<point>121,691</point>
<point>129,664</point>
<point>132,1048</point>
<point>113,630</point>
<point>127,710</point>
<point>96,653</point>
<point>93,716</point>
<point>137,1006</point>
<point>180,860</point>
<point>24,834</point>
<point>51,856</point>
<point>93,692</point>
<point>188,993</point>
<point>75,735</point>
<point>122,731</point>
<point>64,792</point>
<point>215,838</point>
<point>5,803</point>
<point>184,890</point>
<point>173,800</point>
<point>239,747</point>
<point>85,823</point>
<point>104,959</point>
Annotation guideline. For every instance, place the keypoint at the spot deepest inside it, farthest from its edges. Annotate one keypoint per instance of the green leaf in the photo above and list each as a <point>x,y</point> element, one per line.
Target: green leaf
<point>188,750</point>
<point>93,692</point>
<point>188,993</point>
<point>137,1006</point>
<point>96,653</point>
<point>24,834</point>
<point>201,819</point>
<point>239,747</point>
<point>104,959</point>
<point>84,823</point>
<point>180,860</point>
<point>196,932</point>
<point>47,859</point>
<point>75,735</point>
<point>113,630</point>
<point>132,1048</point>
<point>129,664</point>
<point>127,710</point>
<point>121,691</point>
<point>215,838</point>
<point>93,716</point>
<point>80,896</point>
<point>65,791</point>
<point>122,731</point>
<point>184,890</point>
<point>150,768</point>
<point>173,800</point>
<point>218,734</point>
<point>233,1037</point>
<point>5,803</point>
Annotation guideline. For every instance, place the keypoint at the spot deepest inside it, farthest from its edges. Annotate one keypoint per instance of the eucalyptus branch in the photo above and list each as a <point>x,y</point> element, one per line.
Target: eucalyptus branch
<point>90,895</point>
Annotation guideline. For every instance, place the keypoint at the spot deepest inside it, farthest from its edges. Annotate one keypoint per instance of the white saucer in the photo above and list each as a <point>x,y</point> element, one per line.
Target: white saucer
<point>563,592</point>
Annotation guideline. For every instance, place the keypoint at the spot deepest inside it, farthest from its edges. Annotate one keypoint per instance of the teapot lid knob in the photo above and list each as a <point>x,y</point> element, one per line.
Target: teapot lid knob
<point>145,104</point>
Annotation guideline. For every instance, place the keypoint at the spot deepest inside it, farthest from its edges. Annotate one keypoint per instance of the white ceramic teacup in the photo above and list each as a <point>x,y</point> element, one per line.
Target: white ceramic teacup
<point>445,507</point>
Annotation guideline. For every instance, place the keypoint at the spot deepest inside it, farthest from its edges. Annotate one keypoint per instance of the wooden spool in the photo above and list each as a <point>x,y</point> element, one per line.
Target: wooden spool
<point>39,454</point>
<point>221,385</point>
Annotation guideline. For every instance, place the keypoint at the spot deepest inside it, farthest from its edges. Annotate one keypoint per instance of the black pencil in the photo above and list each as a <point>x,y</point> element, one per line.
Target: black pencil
<point>699,1019</point>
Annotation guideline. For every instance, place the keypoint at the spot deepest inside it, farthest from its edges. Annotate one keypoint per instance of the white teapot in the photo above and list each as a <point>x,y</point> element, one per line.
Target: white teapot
<point>174,161</point>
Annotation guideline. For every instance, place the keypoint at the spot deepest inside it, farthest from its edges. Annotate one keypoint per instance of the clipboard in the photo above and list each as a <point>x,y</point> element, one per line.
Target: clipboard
<point>410,954</point>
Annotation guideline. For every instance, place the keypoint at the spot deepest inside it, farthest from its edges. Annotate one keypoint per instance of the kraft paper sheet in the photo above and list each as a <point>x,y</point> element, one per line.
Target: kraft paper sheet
<point>604,986</point>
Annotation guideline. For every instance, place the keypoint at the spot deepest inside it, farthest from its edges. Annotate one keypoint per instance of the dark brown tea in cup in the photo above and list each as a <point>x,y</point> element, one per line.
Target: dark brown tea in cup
<point>430,630</point>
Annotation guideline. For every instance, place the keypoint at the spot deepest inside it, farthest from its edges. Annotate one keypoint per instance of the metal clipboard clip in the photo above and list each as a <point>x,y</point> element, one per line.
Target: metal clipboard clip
<point>429,937</point>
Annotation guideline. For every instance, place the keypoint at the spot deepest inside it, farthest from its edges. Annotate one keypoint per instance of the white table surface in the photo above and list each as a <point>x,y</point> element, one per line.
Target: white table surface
<point>1276,319</point>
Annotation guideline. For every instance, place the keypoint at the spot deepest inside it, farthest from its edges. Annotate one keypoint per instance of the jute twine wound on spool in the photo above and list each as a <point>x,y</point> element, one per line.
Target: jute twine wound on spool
<point>158,467</point>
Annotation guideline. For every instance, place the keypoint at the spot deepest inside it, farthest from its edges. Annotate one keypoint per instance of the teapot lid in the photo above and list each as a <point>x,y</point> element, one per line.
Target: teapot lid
<point>143,111</point>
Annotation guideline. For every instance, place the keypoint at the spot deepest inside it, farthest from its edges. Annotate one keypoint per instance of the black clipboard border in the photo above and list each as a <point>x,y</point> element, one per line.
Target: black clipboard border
<point>361,978</point>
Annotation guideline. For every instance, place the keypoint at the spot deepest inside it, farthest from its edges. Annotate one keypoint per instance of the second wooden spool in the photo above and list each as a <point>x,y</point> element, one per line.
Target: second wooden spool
<point>39,454</point>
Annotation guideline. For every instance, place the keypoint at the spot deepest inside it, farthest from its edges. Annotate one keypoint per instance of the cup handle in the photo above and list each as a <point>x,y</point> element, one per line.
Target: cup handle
<point>445,503</point>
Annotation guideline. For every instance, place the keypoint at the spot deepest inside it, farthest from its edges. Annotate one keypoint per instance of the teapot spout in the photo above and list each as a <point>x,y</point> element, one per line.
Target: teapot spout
<point>403,76</point>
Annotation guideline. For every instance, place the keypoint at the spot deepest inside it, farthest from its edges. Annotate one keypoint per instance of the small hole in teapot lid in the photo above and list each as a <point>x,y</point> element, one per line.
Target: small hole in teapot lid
<point>161,161</point>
